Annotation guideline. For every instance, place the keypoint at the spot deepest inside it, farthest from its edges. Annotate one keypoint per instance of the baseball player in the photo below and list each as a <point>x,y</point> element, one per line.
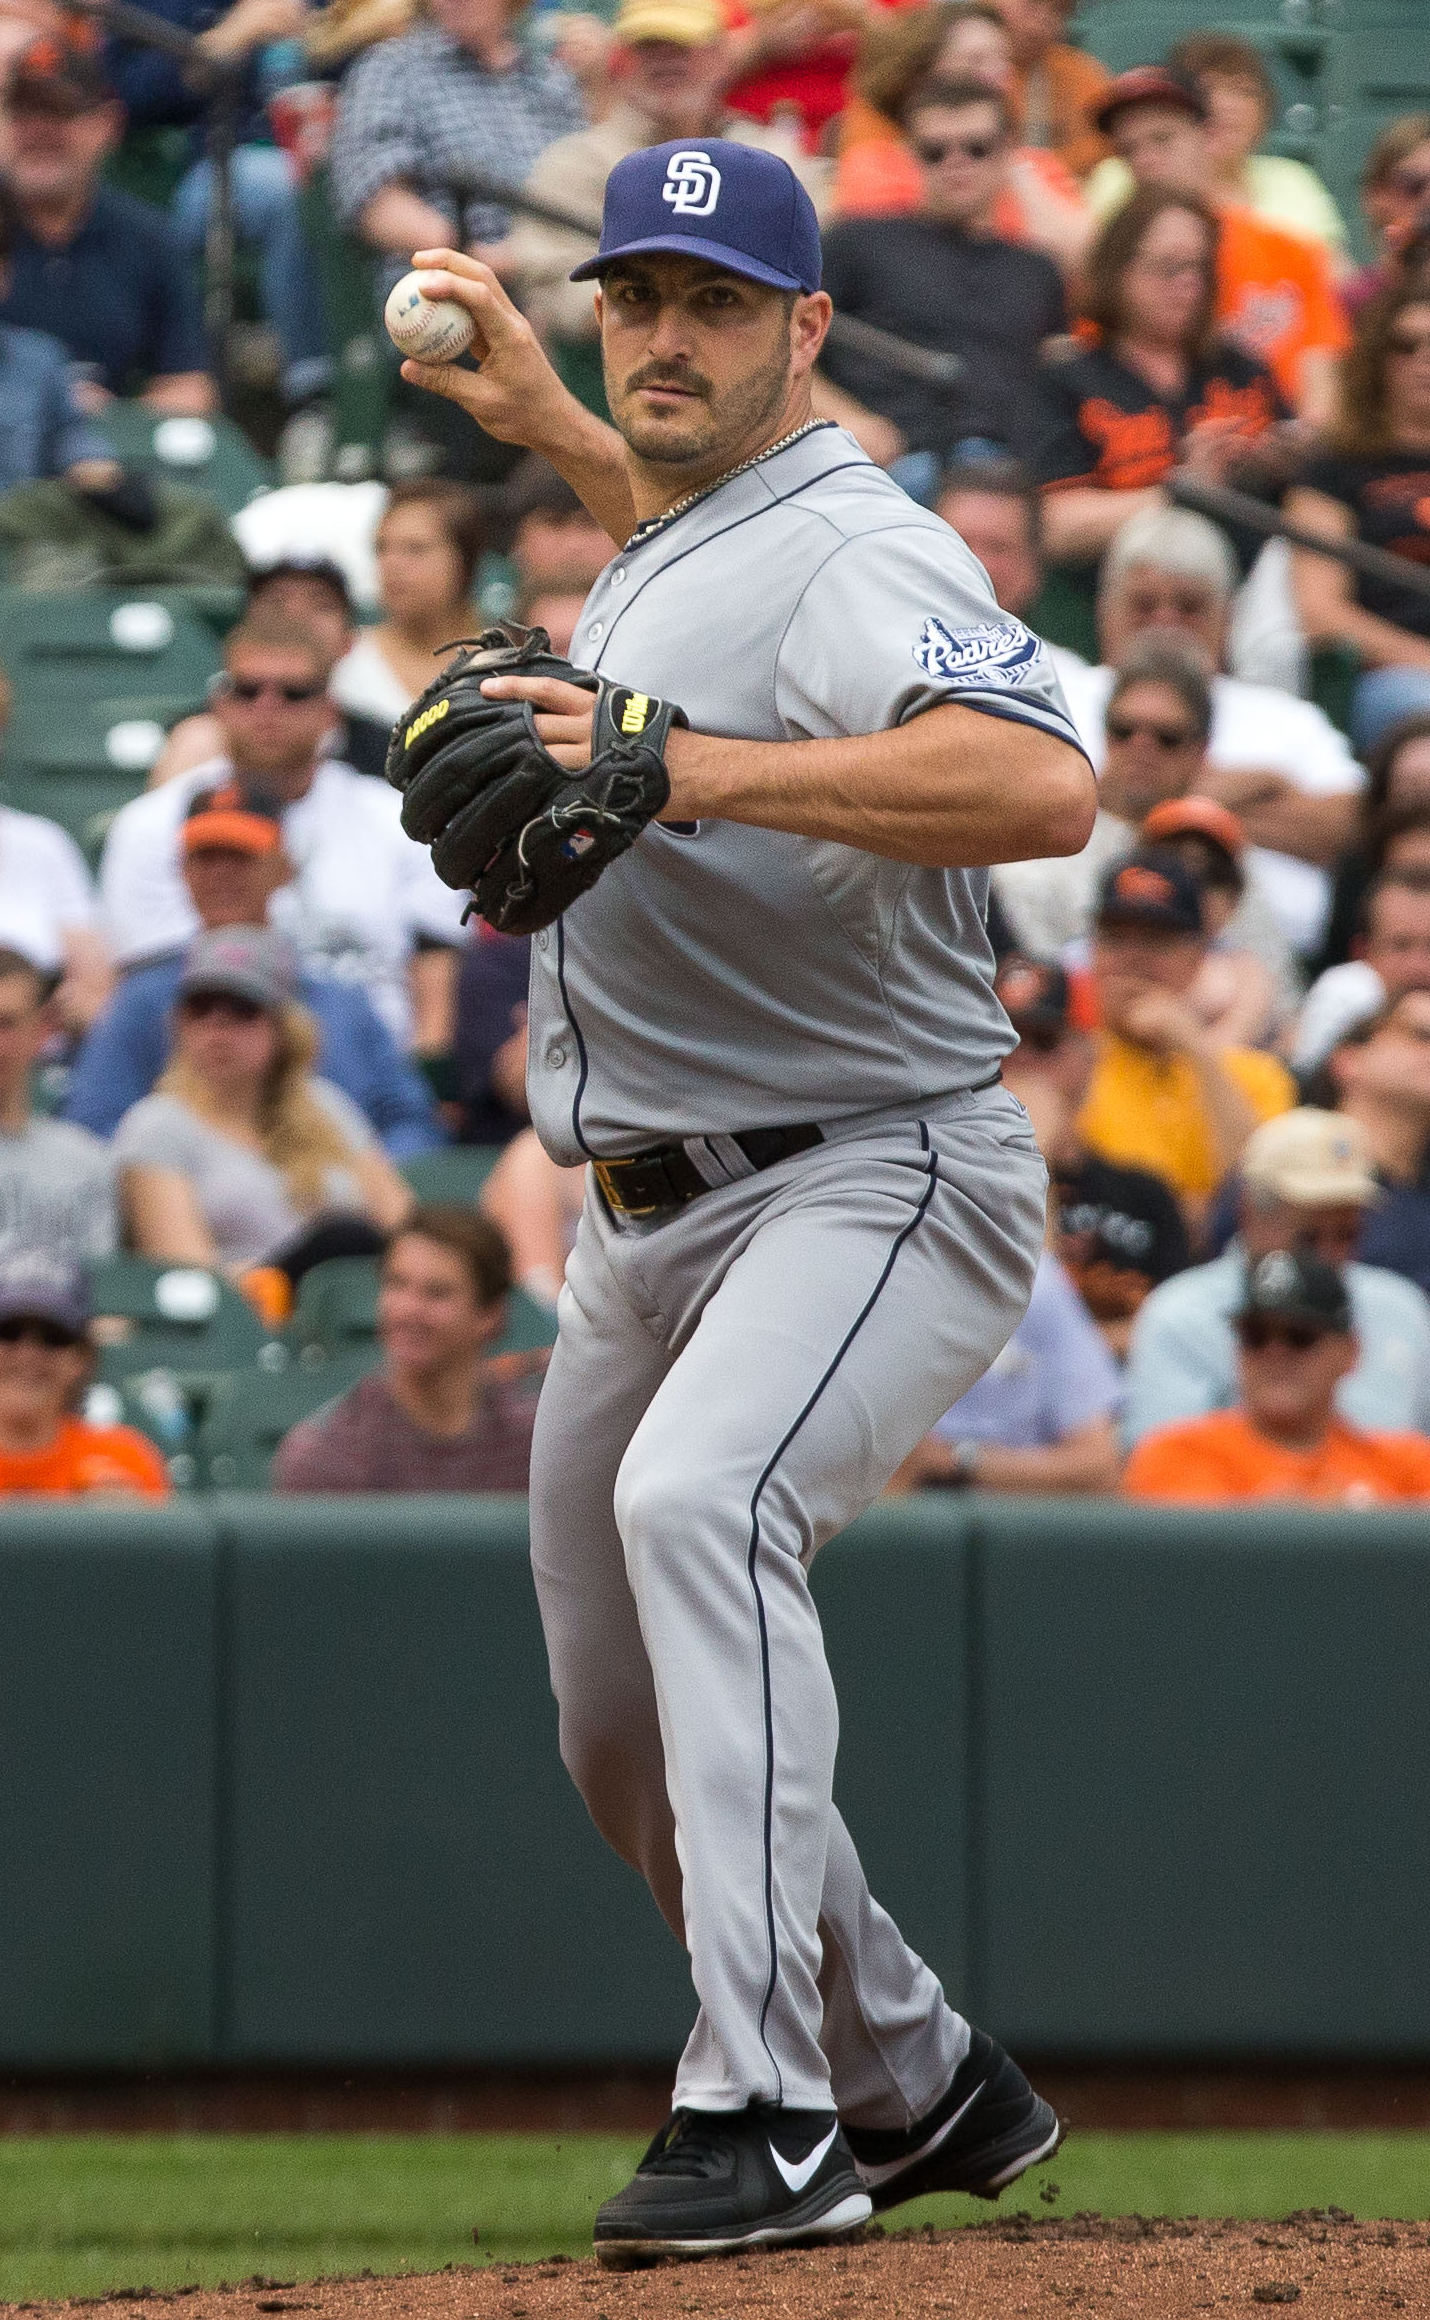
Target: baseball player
<point>748,824</point>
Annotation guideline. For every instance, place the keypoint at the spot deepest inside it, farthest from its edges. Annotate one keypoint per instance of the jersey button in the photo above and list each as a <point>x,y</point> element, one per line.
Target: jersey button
<point>596,631</point>
<point>618,579</point>
<point>542,940</point>
<point>556,1056</point>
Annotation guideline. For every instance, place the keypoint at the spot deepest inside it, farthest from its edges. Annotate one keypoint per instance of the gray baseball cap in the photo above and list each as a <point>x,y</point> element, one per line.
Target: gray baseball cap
<point>242,962</point>
<point>36,1286</point>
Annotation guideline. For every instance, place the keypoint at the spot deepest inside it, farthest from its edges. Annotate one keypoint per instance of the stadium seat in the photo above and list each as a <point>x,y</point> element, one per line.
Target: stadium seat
<point>251,1411</point>
<point>98,677</point>
<point>212,454</point>
<point>335,1309</point>
<point>457,1172</point>
<point>179,1318</point>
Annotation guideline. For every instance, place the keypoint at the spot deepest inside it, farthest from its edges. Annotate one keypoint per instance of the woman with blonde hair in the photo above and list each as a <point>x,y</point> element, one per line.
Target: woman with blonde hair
<point>241,1158</point>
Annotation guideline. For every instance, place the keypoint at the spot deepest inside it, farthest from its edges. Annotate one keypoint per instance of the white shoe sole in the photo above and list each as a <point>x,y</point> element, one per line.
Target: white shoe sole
<point>1020,2166</point>
<point>845,2216</point>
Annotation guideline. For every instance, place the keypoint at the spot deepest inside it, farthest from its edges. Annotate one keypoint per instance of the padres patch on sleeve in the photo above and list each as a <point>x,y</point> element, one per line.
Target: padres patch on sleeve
<point>1003,650</point>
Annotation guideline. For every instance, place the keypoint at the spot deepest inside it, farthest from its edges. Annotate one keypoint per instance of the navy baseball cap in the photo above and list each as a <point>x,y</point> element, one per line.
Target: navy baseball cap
<point>1152,887</point>
<point>739,208</point>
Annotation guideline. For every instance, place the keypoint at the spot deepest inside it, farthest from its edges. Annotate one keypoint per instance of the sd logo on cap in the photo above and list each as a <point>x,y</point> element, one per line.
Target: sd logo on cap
<point>739,209</point>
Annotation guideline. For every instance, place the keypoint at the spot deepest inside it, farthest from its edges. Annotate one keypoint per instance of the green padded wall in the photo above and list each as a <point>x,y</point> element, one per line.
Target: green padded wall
<point>893,1598</point>
<point>279,1783</point>
<point>410,1872</point>
<point>1201,1794</point>
<point>107,1786</point>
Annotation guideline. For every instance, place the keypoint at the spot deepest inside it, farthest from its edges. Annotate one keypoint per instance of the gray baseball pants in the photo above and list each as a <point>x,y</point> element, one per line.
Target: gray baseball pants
<point>729,1389</point>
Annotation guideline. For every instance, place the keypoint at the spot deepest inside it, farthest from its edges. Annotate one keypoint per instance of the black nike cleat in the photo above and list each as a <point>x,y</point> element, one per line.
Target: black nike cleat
<point>713,2181</point>
<point>981,2136</point>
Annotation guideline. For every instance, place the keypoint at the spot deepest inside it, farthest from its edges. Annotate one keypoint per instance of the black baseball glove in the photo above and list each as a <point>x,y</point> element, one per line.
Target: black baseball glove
<point>501,816</point>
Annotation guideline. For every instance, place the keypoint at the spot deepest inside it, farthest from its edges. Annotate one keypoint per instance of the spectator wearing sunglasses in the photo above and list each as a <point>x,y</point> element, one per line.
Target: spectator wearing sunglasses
<point>241,1157</point>
<point>1306,1182</point>
<point>364,905</point>
<point>47,1448</point>
<point>944,279</point>
<point>1277,762</point>
<point>1372,482</point>
<point>1155,735</point>
<point>1295,1346</point>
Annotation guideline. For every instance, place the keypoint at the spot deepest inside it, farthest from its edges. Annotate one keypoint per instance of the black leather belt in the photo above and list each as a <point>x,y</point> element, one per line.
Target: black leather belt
<point>664,1178</point>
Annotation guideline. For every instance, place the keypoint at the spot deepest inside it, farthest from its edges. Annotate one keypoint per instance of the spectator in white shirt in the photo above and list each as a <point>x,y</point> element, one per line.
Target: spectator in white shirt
<point>365,905</point>
<point>1276,761</point>
<point>48,910</point>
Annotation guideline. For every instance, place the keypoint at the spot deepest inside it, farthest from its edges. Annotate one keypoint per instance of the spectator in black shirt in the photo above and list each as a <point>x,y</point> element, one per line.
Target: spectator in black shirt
<point>1152,388</point>
<point>942,278</point>
<point>1118,1231</point>
<point>97,270</point>
<point>1372,482</point>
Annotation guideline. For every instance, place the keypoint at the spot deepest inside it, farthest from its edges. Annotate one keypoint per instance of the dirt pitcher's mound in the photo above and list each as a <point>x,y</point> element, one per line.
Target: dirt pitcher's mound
<point>1126,2267</point>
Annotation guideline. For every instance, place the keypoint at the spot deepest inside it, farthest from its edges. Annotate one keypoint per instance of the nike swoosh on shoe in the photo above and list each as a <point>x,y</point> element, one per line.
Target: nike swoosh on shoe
<point>795,2173</point>
<point>872,2177</point>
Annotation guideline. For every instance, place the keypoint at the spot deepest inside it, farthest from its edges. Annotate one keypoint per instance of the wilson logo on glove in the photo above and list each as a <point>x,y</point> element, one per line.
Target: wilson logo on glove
<point>634,712</point>
<point>501,815</point>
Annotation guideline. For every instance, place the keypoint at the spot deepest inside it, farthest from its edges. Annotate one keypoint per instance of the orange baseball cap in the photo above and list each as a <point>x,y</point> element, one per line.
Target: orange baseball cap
<point>1199,817</point>
<point>241,821</point>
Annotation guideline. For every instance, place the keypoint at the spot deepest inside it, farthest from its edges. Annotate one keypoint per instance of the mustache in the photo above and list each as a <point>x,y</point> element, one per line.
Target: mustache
<point>664,375</point>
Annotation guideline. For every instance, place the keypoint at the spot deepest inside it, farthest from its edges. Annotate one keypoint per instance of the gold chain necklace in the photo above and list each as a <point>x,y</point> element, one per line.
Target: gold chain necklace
<point>654,524</point>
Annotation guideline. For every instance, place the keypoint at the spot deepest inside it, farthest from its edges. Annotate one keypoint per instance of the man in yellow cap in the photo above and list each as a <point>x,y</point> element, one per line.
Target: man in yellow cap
<point>668,64</point>
<point>1306,1183</point>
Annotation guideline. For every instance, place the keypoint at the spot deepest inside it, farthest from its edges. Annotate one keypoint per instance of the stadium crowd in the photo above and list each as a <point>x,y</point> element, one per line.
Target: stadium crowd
<point>245,1033</point>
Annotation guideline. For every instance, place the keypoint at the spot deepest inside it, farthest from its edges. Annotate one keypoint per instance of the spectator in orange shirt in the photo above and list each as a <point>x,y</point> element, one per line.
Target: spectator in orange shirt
<point>1056,86</point>
<point>1285,1440</point>
<point>1275,291</point>
<point>46,1449</point>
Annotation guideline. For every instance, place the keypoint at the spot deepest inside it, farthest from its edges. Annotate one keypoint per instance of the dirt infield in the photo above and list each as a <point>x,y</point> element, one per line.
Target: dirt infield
<point>1129,2268</point>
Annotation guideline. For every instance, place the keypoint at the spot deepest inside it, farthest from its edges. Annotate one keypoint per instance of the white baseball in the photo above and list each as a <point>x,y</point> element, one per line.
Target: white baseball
<point>434,330</point>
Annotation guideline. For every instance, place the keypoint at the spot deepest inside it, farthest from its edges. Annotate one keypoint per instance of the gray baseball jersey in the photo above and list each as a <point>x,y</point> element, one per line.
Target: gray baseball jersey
<point>732,1384</point>
<point>727,977</point>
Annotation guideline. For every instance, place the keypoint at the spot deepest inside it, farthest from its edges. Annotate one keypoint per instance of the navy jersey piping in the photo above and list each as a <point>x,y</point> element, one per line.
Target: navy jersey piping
<point>767,1694</point>
<point>1001,706</point>
<point>584,1071</point>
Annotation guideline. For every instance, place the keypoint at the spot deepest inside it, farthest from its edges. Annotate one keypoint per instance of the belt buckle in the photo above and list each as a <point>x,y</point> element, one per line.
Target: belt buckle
<point>607,1177</point>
